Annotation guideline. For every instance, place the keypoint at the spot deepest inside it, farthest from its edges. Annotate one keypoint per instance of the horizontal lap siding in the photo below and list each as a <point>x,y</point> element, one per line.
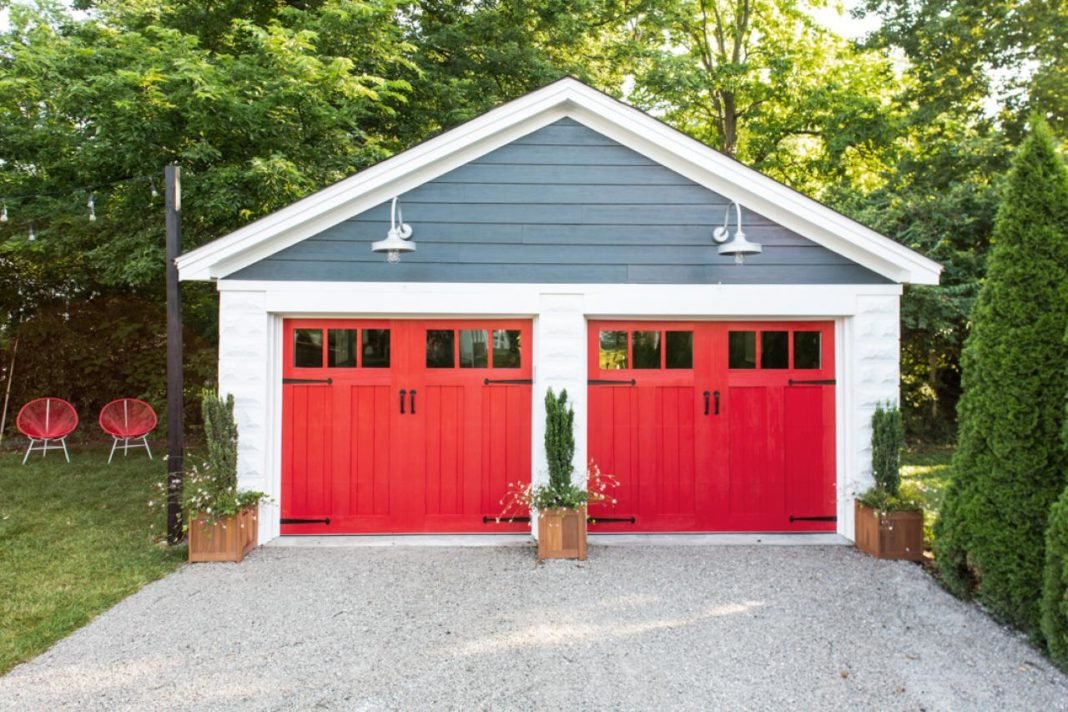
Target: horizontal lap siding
<point>561,205</point>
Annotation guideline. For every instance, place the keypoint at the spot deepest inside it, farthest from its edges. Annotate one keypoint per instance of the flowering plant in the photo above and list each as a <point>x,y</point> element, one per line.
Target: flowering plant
<point>521,498</point>
<point>210,490</point>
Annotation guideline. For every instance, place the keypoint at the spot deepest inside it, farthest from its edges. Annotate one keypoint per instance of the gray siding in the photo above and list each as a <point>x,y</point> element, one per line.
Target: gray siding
<point>563,204</point>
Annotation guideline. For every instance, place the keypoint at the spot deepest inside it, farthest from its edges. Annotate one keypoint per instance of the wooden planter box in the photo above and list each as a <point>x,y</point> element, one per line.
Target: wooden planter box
<point>889,535</point>
<point>562,534</point>
<point>227,539</point>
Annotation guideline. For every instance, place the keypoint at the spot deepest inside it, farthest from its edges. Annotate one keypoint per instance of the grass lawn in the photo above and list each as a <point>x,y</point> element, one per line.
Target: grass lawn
<point>925,474</point>
<point>74,540</point>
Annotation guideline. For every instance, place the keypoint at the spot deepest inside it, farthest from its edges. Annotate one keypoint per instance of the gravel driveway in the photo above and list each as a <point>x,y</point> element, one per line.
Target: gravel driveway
<point>636,627</point>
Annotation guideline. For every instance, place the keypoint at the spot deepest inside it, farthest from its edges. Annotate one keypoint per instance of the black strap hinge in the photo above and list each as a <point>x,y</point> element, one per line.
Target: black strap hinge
<point>306,381</point>
<point>816,382</point>
<point>611,382</point>
<point>828,518</point>
<point>507,381</point>
<point>297,520</point>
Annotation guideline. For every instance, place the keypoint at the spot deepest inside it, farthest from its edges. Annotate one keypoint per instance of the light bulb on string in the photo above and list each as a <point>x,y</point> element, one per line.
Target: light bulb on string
<point>152,188</point>
<point>33,235</point>
<point>92,208</point>
<point>3,213</point>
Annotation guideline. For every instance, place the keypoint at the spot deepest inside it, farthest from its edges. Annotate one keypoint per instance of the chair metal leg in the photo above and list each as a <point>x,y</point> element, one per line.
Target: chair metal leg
<point>145,438</point>
<point>63,442</point>
<point>125,447</point>
<point>28,449</point>
<point>114,444</point>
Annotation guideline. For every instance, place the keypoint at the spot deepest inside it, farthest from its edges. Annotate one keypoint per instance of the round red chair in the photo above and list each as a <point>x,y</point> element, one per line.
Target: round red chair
<point>128,419</point>
<point>45,421</point>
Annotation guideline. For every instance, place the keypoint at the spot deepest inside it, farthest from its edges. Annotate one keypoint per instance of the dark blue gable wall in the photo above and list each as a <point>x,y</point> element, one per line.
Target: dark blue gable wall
<point>563,204</point>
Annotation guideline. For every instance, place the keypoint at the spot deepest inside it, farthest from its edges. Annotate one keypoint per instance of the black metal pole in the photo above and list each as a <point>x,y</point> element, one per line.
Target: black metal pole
<point>175,424</point>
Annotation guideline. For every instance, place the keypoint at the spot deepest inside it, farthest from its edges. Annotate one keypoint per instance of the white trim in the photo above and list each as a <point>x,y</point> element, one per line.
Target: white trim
<point>652,301</point>
<point>567,97</point>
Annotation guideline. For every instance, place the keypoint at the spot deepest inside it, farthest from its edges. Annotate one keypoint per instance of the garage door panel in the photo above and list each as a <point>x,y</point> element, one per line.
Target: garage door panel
<point>809,451</point>
<point>309,453</point>
<point>386,425</point>
<point>724,443</point>
<point>674,454</point>
<point>614,446</point>
<point>505,446</point>
<point>370,458</point>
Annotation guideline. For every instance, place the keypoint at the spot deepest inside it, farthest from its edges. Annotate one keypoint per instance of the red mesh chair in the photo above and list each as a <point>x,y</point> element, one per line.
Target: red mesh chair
<point>45,421</point>
<point>128,419</point>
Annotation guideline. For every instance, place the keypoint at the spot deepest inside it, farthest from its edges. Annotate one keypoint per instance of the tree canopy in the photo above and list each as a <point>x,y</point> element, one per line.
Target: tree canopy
<point>265,101</point>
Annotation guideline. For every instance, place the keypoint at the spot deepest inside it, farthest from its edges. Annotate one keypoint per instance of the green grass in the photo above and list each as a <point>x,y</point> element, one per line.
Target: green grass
<point>925,474</point>
<point>74,540</point>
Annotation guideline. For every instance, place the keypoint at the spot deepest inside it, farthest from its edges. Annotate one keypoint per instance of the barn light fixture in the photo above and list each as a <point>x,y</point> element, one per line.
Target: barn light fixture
<point>397,239</point>
<point>739,246</point>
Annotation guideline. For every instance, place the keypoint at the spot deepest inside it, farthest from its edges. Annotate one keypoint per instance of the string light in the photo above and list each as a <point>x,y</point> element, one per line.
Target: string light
<point>33,235</point>
<point>91,190</point>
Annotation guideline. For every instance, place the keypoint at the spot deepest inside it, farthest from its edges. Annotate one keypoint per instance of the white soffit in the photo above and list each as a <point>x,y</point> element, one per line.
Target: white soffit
<point>600,112</point>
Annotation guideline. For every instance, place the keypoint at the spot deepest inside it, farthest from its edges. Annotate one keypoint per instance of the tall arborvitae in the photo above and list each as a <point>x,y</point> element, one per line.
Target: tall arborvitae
<point>1010,461</point>
<point>559,439</point>
<point>1055,583</point>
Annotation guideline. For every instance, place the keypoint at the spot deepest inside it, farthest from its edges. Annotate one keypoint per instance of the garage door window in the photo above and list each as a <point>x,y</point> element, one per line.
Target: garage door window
<point>774,350</point>
<point>308,348</point>
<point>807,349</point>
<point>645,350</point>
<point>473,348</point>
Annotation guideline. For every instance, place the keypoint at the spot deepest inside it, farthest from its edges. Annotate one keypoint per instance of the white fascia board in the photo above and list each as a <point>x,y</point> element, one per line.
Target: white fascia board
<point>602,113</point>
<point>643,301</point>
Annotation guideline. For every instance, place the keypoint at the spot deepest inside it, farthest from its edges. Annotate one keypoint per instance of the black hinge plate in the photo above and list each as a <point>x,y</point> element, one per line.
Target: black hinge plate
<point>495,520</point>
<point>611,382</point>
<point>287,520</point>
<point>507,381</point>
<point>611,520</point>
<point>829,518</point>
<point>306,381</point>
<point>816,382</point>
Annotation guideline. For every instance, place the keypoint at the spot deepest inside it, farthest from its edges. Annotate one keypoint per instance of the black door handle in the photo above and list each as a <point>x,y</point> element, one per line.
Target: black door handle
<point>716,396</point>
<point>706,402</point>
<point>402,394</point>
<point>413,401</point>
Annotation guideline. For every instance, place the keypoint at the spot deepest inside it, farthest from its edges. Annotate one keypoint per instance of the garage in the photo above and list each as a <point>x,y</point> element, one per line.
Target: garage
<point>714,426</point>
<point>403,426</point>
<point>390,340</point>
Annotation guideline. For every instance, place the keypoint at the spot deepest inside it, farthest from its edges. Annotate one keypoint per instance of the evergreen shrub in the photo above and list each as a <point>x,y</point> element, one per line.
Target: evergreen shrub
<point>1010,465</point>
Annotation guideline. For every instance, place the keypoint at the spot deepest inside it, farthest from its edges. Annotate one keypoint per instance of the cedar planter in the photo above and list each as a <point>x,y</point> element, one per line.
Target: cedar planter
<point>562,534</point>
<point>225,539</point>
<point>895,534</point>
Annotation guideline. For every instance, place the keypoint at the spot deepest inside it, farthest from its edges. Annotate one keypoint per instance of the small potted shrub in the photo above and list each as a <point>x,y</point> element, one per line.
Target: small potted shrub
<point>560,504</point>
<point>223,521</point>
<point>888,525</point>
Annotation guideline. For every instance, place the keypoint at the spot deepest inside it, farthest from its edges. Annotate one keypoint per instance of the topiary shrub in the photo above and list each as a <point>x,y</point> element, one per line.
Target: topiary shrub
<point>1010,464</point>
<point>887,439</point>
<point>559,439</point>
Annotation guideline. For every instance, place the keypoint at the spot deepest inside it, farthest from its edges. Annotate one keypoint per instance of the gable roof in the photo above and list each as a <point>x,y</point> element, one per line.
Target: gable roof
<point>565,98</point>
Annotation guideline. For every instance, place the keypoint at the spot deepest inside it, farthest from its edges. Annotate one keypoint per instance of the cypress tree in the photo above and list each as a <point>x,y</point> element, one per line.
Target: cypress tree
<point>1054,606</point>
<point>1010,464</point>
<point>559,439</point>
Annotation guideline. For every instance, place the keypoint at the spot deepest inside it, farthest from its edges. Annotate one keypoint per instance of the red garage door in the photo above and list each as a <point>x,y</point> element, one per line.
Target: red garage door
<point>714,427</point>
<point>403,426</point>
